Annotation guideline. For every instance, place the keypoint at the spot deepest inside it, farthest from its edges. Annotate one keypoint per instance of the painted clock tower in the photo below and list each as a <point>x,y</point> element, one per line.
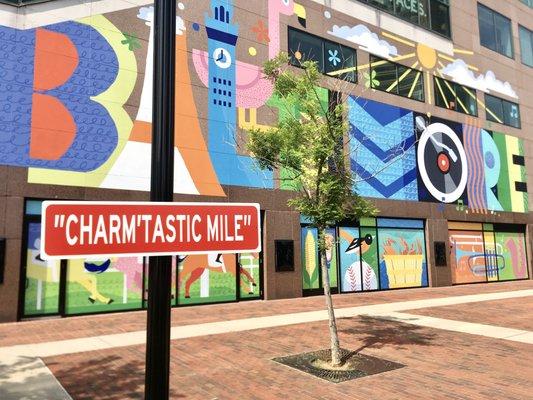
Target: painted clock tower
<point>222,111</point>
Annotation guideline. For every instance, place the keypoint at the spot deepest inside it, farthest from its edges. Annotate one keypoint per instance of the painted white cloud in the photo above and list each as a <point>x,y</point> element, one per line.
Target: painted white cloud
<point>368,41</point>
<point>460,73</point>
<point>147,14</point>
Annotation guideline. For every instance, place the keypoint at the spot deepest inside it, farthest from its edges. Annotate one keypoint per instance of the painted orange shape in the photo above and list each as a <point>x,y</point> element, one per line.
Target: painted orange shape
<point>52,128</point>
<point>56,59</point>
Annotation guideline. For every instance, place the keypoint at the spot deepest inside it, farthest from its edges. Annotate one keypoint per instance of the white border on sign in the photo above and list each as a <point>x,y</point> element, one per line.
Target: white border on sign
<point>48,203</point>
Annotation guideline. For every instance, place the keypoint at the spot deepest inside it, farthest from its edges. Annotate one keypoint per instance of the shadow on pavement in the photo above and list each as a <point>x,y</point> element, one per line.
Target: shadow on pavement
<point>109,378</point>
<point>376,333</point>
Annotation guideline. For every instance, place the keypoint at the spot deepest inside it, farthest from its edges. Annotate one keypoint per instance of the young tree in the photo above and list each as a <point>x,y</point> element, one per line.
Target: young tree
<point>309,144</point>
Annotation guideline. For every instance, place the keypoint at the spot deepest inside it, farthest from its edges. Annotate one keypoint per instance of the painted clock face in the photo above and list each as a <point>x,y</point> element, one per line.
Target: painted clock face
<point>222,58</point>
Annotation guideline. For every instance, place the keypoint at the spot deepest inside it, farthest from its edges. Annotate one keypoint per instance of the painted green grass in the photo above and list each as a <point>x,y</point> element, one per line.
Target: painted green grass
<point>49,298</point>
<point>221,288</point>
<point>110,285</point>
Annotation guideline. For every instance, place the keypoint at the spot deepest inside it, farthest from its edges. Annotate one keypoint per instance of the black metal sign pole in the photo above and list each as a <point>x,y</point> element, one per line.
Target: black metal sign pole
<point>162,189</point>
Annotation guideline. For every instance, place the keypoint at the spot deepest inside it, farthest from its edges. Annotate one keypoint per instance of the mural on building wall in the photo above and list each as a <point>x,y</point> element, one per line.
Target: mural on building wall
<point>426,60</point>
<point>99,285</point>
<point>431,159</point>
<point>382,254</point>
<point>481,253</point>
<point>42,277</point>
<point>79,112</point>
<point>213,277</point>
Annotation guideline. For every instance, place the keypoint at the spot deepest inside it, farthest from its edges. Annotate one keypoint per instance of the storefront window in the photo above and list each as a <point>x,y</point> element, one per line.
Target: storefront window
<point>103,285</point>
<point>378,254</point>
<point>487,252</point>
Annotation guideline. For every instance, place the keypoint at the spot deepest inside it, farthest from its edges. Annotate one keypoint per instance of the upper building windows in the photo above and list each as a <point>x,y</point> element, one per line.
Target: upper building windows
<point>495,31</point>
<point>502,111</point>
<point>397,79</point>
<point>333,59</point>
<point>430,14</point>
<point>526,45</point>
<point>455,97</point>
<point>528,2</point>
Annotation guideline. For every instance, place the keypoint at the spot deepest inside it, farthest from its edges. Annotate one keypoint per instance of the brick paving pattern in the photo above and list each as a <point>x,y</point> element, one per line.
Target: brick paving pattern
<point>39,331</point>
<point>507,313</point>
<point>439,364</point>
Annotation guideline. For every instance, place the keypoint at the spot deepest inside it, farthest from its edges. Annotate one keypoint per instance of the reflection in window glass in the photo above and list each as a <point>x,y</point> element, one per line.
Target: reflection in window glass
<point>431,14</point>
<point>340,61</point>
<point>526,46</point>
<point>495,31</point>
<point>440,17</point>
<point>511,114</point>
<point>412,84</point>
<point>423,13</point>
<point>303,47</point>
<point>332,58</point>
<point>385,73</point>
<point>397,79</point>
<point>502,111</point>
<point>407,11</point>
<point>455,97</point>
<point>504,38</point>
<point>387,5</point>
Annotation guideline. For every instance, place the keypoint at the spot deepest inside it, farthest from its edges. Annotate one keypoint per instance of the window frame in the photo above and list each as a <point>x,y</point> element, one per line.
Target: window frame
<point>494,13</point>
<point>429,27</point>
<point>455,86</point>
<point>489,116</point>
<point>323,45</point>
<point>522,28</point>
<point>397,65</point>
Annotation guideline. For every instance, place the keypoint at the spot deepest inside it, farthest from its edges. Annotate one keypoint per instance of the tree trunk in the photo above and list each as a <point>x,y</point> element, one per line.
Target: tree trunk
<point>335,347</point>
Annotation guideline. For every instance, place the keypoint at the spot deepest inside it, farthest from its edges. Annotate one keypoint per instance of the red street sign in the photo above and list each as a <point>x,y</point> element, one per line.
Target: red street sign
<point>77,229</point>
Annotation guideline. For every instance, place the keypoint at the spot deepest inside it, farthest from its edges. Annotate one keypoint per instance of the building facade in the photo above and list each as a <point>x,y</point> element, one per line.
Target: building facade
<point>440,105</point>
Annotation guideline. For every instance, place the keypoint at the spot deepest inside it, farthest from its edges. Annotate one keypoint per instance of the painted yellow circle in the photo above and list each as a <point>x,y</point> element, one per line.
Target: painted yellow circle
<point>252,51</point>
<point>298,55</point>
<point>427,56</point>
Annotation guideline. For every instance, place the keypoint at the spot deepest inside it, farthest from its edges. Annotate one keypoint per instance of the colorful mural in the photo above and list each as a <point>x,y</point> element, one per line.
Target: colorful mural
<point>103,285</point>
<point>116,284</point>
<point>379,254</point>
<point>486,252</point>
<point>42,277</point>
<point>79,112</point>
<point>311,270</point>
<point>430,159</point>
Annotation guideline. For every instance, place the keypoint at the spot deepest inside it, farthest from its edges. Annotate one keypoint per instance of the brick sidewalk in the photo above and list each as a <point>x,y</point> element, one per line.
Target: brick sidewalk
<point>439,365</point>
<point>78,327</point>
<point>508,313</point>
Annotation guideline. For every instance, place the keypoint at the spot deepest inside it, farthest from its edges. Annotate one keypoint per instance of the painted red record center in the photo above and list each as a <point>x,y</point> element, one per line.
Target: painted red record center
<point>443,162</point>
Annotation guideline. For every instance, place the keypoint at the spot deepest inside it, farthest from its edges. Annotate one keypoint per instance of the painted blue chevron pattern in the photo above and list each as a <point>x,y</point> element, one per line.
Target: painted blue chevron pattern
<point>383,150</point>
